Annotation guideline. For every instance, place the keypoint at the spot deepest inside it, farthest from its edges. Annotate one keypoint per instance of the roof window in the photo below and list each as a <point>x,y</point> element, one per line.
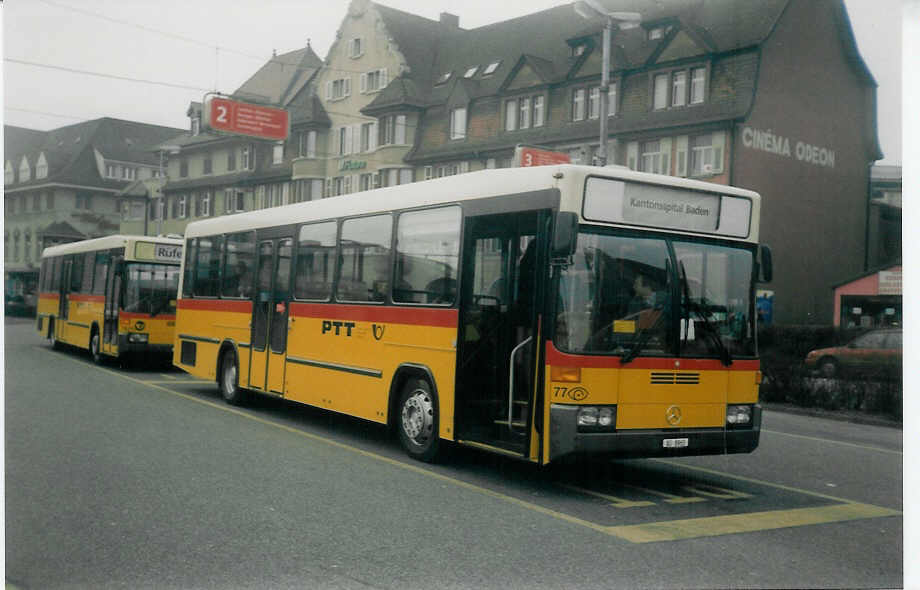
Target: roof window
<point>471,71</point>
<point>490,69</point>
<point>444,78</point>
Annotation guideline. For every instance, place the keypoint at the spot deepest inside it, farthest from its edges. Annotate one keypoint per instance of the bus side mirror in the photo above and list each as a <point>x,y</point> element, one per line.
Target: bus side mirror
<point>565,236</point>
<point>766,263</point>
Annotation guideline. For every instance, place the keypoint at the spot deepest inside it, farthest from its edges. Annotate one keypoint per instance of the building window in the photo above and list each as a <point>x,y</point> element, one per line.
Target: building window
<point>307,147</point>
<point>679,89</point>
<point>458,123</point>
<point>697,85</point>
<point>655,33</point>
<point>37,202</point>
<point>524,112</point>
<point>706,154</point>
<point>374,80</point>
<point>278,153</point>
<point>660,92</point>
<point>247,157</point>
<point>471,71</point>
<point>393,130</point>
<point>578,104</point>
<point>443,78</point>
<point>41,167</point>
<point>204,204</point>
<point>9,175</point>
<point>490,69</point>
<point>231,160</point>
<point>612,99</point>
<point>207,166</point>
<point>183,168</point>
<point>25,172</point>
<point>344,136</point>
<point>183,206</point>
<point>84,202</point>
<point>338,89</point>
<point>654,157</point>
<point>49,201</point>
<point>356,47</point>
<point>196,125</point>
<point>234,200</point>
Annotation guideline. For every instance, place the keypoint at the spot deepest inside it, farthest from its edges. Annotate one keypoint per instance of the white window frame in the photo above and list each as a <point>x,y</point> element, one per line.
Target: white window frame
<point>338,89</point>
<point>278,153</point>
<point>594,102</point>
<point>697,85</point>
<point>458,123</point>
<point>612,99</point>
<point>578,104</point>
<point>539,110</point>
<point>511,114</point>
<point>41,167</point>
<point>25,171</point>
<point>205,199</point>
<point>183,206</point>
<point>471,71</point>
<point>9,174</point>
<point>356,48</point>
<point>698,155</point>
<point>374,81</point>
<point>679,88</point>
<point>660,85</point>
<point>490,69</point>
<point>524,113</point>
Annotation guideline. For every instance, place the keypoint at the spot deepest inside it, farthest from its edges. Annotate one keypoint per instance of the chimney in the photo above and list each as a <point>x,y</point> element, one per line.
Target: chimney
<point>450,20</point>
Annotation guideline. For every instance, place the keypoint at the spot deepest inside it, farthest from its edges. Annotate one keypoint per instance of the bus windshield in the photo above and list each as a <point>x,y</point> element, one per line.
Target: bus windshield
<point>655,296</point>
<point>151,288</point>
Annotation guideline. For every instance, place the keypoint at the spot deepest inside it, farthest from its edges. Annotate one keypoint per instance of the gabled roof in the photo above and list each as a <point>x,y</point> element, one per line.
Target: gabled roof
<point>62,229</point>
<point>281,78</point>
<point>402,91</point>
<point>70,150</point>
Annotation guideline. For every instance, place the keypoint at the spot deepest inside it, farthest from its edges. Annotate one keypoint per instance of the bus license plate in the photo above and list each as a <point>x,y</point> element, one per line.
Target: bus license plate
<point>676,443</point>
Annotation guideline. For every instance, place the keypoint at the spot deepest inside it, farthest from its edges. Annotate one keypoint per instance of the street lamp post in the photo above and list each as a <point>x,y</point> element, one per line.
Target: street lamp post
<point>592,9</point>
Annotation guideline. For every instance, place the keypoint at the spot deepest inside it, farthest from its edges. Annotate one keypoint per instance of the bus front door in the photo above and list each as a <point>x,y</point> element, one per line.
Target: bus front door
<point>112,303</point>
<point>270,316</point>
<point>64,300</point>
<point>498,329</point>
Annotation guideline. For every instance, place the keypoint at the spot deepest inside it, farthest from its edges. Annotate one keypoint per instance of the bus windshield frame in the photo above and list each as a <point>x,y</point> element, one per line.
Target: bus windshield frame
<point>631,293</point>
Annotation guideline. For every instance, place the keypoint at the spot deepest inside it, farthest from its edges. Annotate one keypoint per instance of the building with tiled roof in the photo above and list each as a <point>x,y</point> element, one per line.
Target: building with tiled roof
<point>768,95</point>
<point>64,185</point>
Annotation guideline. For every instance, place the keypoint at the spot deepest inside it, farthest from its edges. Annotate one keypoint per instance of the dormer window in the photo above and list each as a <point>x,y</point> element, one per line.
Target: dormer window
<point>444,78</point>
<point>196,125</point>
<point>25,171</point>
<point>41,167</point>
<point>470,72</point>
<point>656,33</point>
<point>9,175</point>
<point>579,50</point>
<point>490,69</point>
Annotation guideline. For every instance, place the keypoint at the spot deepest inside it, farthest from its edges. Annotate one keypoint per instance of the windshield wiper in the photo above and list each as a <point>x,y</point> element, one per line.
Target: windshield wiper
<point>708,328</point>
<point>641,341</point>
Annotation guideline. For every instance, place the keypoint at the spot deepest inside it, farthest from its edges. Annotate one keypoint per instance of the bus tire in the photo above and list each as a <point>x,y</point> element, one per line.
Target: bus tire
<point>417,420</point>
<point>229,379</point>
<point>95,346</point>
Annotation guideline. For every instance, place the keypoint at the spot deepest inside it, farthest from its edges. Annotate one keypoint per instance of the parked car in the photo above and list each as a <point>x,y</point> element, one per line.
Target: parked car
<point>875,351</point>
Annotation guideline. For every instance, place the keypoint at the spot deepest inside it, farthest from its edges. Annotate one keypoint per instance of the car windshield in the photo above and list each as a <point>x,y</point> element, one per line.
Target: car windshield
<point>151,288</point>
<point>630,296</point>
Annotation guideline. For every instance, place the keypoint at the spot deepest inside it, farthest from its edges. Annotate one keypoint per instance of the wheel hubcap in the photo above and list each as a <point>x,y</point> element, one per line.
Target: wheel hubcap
<point>94,347</point>
<point>418,416</point>
<point>230,376</point>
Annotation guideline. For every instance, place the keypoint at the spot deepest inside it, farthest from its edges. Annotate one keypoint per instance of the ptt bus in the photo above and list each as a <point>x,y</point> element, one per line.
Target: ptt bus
<point>539,313</point>
<point>111,295</point>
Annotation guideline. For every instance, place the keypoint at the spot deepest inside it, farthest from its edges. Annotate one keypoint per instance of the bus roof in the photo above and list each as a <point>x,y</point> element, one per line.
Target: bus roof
<point>569,179</point>
<point>106,243</point>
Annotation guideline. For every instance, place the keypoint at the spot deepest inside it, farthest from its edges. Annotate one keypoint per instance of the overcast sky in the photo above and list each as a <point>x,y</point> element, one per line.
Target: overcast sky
<point>184,48</point>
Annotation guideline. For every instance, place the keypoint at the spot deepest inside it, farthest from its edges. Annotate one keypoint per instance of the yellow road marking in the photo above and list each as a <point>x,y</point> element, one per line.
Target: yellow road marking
<point>669,498</point>
<point>746,523</point>
<point>684,529</point>
<point>834,442</point>
<point>181,382</point>
<point>616,502</point>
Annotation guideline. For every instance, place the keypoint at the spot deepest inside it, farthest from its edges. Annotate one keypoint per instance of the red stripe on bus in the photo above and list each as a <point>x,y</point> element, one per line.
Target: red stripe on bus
<point>54,296</point>
<point>131,315</point>
<point>417,316</point>
<point>556,357</point>
<point>215,305</point>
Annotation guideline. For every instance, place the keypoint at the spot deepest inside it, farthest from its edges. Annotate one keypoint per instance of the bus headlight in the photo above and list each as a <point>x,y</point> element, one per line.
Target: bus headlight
<point>596,418</point>
<point>738,415</point>
<point>137,338</point>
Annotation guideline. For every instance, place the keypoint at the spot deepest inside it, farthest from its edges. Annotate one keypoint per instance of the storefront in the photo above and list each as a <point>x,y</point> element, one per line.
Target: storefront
<point>870,301</point>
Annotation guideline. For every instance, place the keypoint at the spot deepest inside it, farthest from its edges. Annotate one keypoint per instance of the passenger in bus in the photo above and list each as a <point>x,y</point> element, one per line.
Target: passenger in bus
<point>244,278</point>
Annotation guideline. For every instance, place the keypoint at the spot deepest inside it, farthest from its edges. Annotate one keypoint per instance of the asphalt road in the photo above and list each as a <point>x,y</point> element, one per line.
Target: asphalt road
<point>143,478</point>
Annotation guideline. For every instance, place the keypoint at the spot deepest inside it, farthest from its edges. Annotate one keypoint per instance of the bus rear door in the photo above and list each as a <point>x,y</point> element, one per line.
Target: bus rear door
<point>270,316</point>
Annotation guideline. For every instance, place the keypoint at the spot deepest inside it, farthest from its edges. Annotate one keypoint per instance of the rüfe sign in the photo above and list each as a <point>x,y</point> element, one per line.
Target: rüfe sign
<point>242,118</point>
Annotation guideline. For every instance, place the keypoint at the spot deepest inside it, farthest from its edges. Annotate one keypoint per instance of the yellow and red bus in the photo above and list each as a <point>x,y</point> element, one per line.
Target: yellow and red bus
<point>112,295</point>
<point>538,312</point>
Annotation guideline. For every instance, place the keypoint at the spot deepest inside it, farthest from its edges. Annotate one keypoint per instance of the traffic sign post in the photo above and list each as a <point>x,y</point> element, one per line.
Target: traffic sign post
<point>225,115</point>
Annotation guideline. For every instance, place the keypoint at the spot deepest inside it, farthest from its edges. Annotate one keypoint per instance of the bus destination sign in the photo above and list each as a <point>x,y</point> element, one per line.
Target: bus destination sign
<point>158,252</point>
<point>650,205</point>
<point>243,118</point>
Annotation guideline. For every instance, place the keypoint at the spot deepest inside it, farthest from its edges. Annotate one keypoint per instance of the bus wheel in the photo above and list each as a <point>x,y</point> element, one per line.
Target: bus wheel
<point>94,348</point>
<point>229,382</point>
<point>418,420</point>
